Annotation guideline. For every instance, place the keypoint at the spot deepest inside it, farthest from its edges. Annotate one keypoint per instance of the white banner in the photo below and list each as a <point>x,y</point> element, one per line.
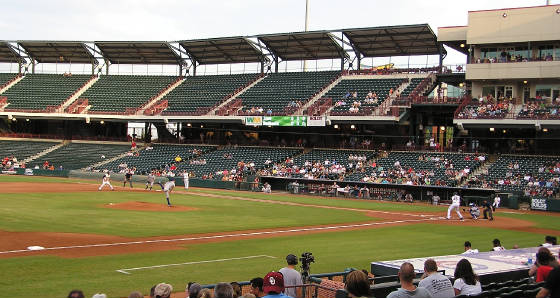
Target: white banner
<point>316,121</point>
<point>538,204</point>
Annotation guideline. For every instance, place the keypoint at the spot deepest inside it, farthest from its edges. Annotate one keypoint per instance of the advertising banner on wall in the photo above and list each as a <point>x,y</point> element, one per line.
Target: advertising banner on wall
<point>539,204</point>
<point>316,121</point>
<point>253,120</point>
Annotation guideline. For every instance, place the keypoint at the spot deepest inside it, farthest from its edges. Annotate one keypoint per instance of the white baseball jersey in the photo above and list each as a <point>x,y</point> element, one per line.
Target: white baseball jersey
<point>497,200</point>
<point>456,199</point>
<point>169,186</point>
<point>106,178</point>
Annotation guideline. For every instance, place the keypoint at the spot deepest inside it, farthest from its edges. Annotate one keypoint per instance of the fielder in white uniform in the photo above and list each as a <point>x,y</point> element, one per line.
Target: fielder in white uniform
<point>455,204</point>
<point>186,179</point>
<point>496,204</point>
<point>106,181</point>
<point>150,181</point>
<point>167,188</point>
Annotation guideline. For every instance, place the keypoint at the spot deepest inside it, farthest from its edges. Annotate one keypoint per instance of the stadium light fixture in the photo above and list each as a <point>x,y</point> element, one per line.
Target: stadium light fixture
<point>525,82</point>
<point>461,85</point>
<point>504,131</point>
<point>545,129</point>
<point>10,117</point>
<point>492,129</point>
<point>26,119</point>
<point>102,122</point>
<point>442,128</point>
<point>88,120</point>
<point>201,125</point>
<point>353,126</point>
<point>462,45</point>
<point>189,125</point>
<point>335,126</point>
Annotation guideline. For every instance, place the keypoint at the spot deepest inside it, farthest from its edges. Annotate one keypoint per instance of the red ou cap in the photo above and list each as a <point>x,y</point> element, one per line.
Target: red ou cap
<point>273,282</point>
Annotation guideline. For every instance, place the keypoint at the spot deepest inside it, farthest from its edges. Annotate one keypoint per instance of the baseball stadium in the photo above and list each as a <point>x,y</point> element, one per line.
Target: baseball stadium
<point>383,160</point>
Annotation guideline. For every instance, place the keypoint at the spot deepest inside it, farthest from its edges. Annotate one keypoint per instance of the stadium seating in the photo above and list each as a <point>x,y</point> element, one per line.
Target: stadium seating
<point>228,158</point>
<point>278,91</point>
<point>23,149</point>
<point>37,92</point>
<point>80,155</point>
<point>361,87</point>
<point>5,78</point>
<point>534,176</point>
<point>156,158</point>
<point>117,93</point>
<point>485,110</point>
<point>410,88</point>
<point>198,94</point>
<point>413,166</point>
<point>540,109</point>
<point>322,164</point>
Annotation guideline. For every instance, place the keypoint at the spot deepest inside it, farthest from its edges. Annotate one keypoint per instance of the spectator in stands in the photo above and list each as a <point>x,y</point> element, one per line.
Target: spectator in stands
<point>237,292</point>
<point>152,291</point>
<point>163,290</point>
<point>551,287</point>
<point>408,289</point>
<point>549,241</point>
<point>497,245</point>
<point>266,188</point>
<point>291,277</point>
<point>76,294</point>
<point>223,290</point>
<point>193,290</point>
<point>357,284</point>
<point>273,285</point>
<point>257,287</point>
<point>436,283</point>
<point>468,249</point>
<point>205,293</point>
<point>544,264</point>
<point>466,281</point>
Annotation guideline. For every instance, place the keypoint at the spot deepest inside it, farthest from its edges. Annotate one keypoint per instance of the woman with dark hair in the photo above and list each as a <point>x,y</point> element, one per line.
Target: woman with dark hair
<point>357,284</point>
<point>544,264</point>
<point>466,281</point>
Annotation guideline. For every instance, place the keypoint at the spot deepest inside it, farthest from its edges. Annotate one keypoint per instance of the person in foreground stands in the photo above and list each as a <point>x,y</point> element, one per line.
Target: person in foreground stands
<point>76,294</point>
<point>466,281</point>
<point>468,249</point>
<point>357,284</point>
<point>551,287</point>
<point>273,285</point>
<point>408,289</point>
<point>257,287</point>
<point>193,290</point>
<point>497,246</point>
<point>223,290</point>
<point>291,277</point>
<point>544,264</point>
<point>437,284</point>
<point>163,290</point>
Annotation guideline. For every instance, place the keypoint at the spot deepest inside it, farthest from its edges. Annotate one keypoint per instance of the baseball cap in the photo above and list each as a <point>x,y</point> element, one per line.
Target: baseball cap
<point>273,282</point>
<point>163,290</point>
<point>291,259</point>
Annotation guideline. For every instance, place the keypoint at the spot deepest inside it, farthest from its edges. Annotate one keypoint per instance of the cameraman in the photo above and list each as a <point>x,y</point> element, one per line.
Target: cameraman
<point>292,277</point>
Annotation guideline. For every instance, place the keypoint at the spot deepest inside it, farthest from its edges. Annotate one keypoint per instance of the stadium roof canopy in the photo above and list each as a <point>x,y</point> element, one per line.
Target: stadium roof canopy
<point>7,55</point>
<point>313,45</point>
<point>138,52</point>
<point>57,51</point>
<point>388,41</point>
<point>223,50</point>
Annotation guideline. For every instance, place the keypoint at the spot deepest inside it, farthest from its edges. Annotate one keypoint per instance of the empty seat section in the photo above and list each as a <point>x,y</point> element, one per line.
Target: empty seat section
<point>343,94</point>
<point>157,157</point>
<point>39,91</point>
<point>413,84</point>
<point>278,90</point>
<point>6,77</point>
<point>203,92</point>
<point>75,156</point>
<point>23,149</point>
<point>116,93</point>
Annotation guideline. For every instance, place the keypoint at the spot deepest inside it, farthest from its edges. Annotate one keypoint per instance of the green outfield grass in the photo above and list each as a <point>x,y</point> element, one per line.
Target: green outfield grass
<point>51,276</point>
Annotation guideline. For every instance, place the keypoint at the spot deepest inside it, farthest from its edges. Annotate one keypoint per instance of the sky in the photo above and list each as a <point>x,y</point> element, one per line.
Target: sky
<point>170,20</point>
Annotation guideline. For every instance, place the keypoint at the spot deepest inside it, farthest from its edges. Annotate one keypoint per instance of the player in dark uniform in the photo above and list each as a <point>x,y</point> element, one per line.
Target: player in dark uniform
<point>128,178</point>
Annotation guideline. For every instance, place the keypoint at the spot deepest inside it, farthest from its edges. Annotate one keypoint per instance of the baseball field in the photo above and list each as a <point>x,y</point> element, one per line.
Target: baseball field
<point>61,234</point>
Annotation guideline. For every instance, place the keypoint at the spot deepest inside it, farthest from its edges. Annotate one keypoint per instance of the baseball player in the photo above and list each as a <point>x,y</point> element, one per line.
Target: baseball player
<point>455,204</point>
<point>474,211</point>
<point>150,181</point>
<point>186,179</point>
<point>496,203</point>
<point>168,187</point>
<point>106,181</point>
<point>128,178</point>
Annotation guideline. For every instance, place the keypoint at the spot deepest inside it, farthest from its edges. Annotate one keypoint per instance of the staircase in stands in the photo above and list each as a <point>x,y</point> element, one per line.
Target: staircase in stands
<point>231,102</point>
<point>74,97</point>
<point>45,152</point>
<point>155,104</point>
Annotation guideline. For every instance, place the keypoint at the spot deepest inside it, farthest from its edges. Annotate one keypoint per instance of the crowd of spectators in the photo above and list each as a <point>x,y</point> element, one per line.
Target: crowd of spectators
<point>486,107</point>
<point>10,163</point>
<point>319,169</point>
<point>539,108</point>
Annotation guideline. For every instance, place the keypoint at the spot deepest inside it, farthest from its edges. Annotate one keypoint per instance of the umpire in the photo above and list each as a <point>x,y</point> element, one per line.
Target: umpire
<point>487,210</point>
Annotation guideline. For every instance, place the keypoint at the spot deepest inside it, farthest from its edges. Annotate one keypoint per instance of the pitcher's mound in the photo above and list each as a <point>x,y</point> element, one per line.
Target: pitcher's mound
<point>145,206</point>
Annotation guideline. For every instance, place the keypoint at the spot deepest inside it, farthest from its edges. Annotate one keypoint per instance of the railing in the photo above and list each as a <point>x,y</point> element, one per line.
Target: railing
<point>58,137</point>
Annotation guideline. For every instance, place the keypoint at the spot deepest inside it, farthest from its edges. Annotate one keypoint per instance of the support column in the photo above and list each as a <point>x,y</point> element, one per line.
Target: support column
<point>276,64</point>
